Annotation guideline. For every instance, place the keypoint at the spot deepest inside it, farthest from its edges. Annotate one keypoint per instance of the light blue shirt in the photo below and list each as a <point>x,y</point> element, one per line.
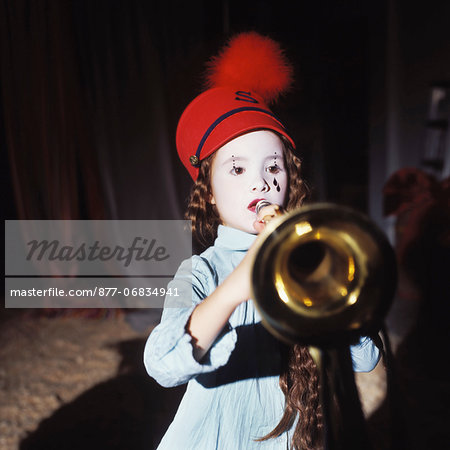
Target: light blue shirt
<point>233,396</point>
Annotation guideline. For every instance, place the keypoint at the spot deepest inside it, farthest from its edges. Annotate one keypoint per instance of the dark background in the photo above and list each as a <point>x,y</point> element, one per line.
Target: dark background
<point>92,91</point>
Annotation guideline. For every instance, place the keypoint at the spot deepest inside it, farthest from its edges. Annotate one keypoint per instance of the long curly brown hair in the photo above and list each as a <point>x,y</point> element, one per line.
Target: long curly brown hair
<point>299,381</point>
<point>299,378</point>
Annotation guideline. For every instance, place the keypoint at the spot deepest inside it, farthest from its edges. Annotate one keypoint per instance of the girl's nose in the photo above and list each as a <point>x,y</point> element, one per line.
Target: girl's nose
<point>260,185</point>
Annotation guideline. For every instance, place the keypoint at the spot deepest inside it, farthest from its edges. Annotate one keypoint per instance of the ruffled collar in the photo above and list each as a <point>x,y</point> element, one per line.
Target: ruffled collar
<point>233,239</point>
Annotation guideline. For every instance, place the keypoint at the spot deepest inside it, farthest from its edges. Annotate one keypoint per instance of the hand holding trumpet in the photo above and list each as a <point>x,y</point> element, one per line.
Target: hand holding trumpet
<point>265,211</point>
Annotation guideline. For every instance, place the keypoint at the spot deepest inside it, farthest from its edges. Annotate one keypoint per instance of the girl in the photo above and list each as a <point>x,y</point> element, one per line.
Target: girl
<point>245,389</point>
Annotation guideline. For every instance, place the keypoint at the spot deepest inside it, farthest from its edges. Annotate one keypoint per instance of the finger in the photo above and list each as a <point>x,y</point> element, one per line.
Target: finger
<point>258,226</point>
<point>270,210</point>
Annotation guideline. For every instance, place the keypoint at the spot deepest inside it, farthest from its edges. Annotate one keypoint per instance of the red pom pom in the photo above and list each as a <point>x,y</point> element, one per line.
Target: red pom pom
<point>251,62</point>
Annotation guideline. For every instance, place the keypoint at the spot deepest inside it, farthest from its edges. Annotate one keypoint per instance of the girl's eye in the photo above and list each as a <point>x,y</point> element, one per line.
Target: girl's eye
<point>273,169</point>
<point>237,170</point>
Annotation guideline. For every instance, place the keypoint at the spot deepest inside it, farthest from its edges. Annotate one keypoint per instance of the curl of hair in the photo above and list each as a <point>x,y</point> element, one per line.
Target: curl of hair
<point>203,215</point>
<point>298,189</point>
<point>299,382</point>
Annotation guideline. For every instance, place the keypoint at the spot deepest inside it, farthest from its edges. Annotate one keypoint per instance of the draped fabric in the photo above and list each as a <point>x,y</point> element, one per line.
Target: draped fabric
<point>86,105</point>
<point>91,91</point>
<point>38,85</point>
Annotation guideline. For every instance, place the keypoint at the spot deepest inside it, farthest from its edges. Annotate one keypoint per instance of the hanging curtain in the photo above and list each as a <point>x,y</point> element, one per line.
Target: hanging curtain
<point>91,92</point>
<point>47,137</point>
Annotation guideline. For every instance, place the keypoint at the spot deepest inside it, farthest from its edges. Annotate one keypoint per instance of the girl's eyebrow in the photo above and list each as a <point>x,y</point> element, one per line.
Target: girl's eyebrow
<point>243,158</point>
<point>234,159</point>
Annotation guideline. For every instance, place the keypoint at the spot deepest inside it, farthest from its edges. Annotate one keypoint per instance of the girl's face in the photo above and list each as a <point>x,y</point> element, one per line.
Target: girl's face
<point>244,171</point>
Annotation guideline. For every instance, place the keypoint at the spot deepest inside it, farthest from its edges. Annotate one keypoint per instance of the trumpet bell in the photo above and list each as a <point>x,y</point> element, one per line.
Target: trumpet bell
<point>323,275</point>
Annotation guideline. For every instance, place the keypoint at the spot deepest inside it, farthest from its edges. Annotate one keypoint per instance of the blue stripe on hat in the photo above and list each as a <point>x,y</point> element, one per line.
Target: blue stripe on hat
<point>225,116</point>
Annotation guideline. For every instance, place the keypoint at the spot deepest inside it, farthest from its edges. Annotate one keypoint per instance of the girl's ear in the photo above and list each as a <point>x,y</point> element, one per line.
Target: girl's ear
<point>211,199</point>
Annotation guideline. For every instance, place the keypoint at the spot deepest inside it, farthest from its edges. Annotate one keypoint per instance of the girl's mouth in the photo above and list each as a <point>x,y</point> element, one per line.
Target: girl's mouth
<point>252,205</point>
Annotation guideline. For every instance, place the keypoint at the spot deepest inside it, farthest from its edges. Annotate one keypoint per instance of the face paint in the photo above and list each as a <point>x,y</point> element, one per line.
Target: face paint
<point>244,171</point>
<point>275,182</point>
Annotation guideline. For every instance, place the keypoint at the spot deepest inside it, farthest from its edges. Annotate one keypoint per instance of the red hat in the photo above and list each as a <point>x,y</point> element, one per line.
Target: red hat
<point>250,73</point>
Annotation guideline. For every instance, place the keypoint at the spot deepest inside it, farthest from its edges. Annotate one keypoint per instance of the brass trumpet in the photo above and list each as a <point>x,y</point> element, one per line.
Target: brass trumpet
<point>323,276</point>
